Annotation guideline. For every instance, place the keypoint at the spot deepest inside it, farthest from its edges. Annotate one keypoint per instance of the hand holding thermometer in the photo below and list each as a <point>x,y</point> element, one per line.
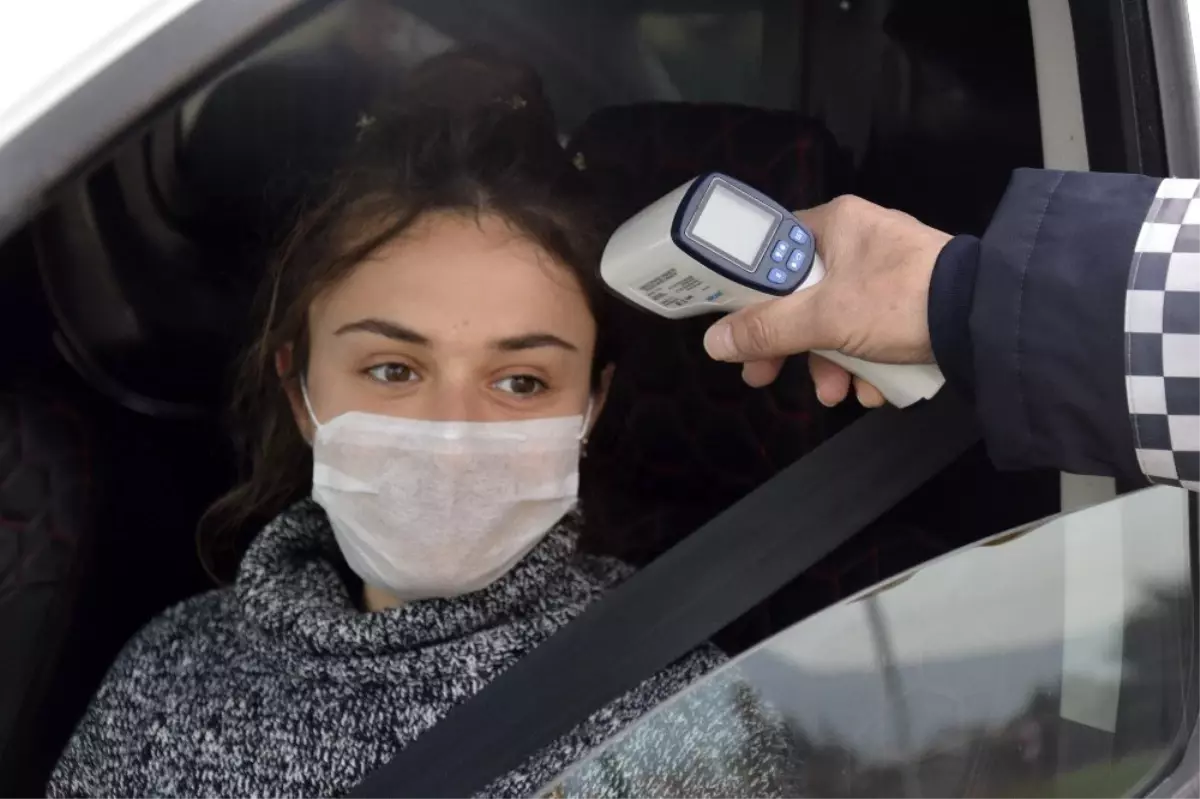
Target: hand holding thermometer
<point>715,244</point>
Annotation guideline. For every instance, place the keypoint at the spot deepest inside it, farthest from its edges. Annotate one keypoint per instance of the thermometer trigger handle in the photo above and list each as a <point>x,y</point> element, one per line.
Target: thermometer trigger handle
<point>900,384</point>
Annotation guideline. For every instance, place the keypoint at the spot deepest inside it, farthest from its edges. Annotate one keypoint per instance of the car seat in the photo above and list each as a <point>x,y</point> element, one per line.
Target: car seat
<point>683,438</point>
<point>117,316</point>
<point>47,531</point>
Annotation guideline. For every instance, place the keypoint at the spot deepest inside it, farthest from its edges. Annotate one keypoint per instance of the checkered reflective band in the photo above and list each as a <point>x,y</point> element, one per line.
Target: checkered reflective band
<point>1162,337</point>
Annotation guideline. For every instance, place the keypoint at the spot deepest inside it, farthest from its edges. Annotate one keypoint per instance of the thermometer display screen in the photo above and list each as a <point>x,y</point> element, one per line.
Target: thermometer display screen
<point>734,224</point>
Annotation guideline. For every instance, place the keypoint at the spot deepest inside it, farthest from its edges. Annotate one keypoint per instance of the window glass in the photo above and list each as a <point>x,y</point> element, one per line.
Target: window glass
<point>590,54</point>
<point>708,57</point>
<point>1053,661</point>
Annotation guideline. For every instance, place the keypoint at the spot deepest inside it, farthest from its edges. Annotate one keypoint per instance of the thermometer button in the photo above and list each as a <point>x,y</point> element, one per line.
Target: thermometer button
<point>796,261</point>
<point>798,235</point>
<point>777,276</point>
<point>780,252</point>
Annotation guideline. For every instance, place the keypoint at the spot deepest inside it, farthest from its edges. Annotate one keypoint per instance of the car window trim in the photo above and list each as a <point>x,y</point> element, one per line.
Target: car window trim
<point>1177,63</point>
<point>120,96</point>
<point>1121,105</point>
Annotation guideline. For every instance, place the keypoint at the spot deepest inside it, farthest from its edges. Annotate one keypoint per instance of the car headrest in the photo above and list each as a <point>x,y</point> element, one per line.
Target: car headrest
<point>682,437</point>
<point>639,152</point>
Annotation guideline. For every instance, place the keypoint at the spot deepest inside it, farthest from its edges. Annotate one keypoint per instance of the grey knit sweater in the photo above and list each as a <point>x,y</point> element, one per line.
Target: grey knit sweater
<point>280,686</point>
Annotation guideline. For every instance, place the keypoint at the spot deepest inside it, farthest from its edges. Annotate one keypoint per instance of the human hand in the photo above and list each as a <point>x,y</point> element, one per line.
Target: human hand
<point>871,303</point>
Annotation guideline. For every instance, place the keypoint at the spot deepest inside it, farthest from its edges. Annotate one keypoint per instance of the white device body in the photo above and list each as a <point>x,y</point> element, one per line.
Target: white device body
<point>643,264</point>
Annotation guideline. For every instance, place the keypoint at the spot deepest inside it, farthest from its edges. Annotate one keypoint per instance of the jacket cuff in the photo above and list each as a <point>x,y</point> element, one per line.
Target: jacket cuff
<point>951,293</point>
<point>1047,321</point>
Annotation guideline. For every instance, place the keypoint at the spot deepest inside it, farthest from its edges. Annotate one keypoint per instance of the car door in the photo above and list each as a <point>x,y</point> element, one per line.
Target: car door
<point>1058,659</point>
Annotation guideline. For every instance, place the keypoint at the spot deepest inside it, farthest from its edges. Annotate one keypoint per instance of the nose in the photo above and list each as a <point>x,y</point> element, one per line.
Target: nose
<point>452,400</point>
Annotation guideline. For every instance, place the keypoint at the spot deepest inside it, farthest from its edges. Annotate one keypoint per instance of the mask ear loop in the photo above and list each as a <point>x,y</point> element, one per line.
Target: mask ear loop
<point>308,403</point>
<point>586,429</point>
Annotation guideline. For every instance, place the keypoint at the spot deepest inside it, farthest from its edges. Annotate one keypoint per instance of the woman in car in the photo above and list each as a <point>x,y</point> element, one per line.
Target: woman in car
<point>431,359</point>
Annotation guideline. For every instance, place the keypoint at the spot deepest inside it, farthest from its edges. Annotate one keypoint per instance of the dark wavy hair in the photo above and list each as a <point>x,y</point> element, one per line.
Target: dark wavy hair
<point>470,133</point>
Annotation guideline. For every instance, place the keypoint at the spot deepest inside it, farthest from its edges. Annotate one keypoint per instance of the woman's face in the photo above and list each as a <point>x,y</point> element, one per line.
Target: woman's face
<point>458,319</point>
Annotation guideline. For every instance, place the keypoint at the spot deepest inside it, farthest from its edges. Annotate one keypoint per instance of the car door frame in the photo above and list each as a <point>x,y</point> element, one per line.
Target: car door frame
<point>118,82</point>
<point>1149,51</point>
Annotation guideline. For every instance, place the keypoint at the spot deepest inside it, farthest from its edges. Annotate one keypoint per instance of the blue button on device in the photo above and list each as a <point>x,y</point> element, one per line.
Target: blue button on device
<point>796,261</point>
<point>798,235</point>
<point>777,276</point>
<point>780,252</point>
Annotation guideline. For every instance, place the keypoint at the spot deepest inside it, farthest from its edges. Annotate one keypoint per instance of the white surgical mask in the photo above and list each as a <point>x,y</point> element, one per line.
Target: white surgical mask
<point>427,509</point>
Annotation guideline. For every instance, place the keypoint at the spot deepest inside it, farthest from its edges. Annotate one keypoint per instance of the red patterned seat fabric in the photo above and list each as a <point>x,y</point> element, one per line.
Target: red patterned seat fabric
<point>45,523</point>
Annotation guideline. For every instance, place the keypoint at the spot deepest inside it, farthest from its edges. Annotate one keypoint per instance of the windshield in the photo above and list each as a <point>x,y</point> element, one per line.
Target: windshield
<point>1051,661</point>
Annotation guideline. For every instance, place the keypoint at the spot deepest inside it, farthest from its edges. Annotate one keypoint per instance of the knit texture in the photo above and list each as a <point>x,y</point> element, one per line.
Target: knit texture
<point>281,686</point>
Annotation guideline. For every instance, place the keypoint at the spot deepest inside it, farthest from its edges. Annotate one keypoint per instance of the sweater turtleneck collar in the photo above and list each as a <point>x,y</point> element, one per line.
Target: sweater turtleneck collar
<point>290,588</point>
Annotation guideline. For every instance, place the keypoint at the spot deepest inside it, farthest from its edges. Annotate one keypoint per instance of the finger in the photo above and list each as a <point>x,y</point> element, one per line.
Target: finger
<point>772,329</point>
<point>868,395</point>
<point>761,373</point>
<point>831,381</point>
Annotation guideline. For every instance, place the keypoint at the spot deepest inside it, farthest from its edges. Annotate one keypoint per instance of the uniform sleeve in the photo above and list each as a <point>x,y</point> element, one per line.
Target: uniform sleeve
<point>1162,337</point>
<point>1073,325</point>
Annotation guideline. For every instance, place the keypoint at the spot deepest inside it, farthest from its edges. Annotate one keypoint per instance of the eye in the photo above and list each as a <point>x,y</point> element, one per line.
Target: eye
<point>521,385</point>
<point>392,373</point>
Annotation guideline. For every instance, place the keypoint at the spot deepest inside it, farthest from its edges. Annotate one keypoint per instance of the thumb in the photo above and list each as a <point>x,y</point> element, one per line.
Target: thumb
<point>817,219</point>
<point>772,329</point>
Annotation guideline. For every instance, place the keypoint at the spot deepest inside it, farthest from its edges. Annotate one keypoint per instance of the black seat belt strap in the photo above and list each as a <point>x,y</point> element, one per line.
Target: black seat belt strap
<point>679,601</point>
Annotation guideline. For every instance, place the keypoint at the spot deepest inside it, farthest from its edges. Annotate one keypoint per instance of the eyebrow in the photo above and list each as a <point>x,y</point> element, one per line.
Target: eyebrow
<point>532,341</point>
<point>386,329</point>
<point>397,332</point>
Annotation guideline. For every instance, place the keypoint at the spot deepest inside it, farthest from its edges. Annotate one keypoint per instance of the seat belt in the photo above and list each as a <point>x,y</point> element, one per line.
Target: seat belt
<point>678,602</point>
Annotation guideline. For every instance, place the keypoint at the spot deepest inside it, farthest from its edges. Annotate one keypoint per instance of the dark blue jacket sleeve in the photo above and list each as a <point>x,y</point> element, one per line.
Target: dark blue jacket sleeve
<point>1029,321</point>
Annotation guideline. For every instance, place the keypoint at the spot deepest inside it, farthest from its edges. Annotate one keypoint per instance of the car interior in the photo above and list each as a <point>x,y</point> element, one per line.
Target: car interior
<point>123,301</point>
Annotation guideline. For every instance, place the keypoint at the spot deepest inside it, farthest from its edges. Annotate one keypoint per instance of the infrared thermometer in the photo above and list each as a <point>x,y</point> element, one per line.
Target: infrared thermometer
<point>717,245</point>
